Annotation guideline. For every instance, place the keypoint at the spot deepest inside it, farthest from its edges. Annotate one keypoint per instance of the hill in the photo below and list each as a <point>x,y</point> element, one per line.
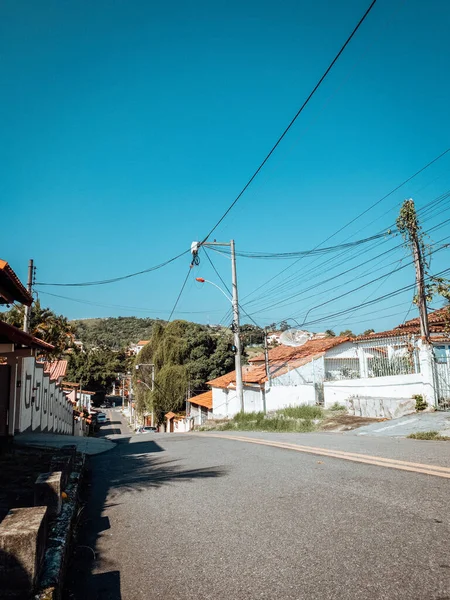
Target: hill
<point>113,332</point>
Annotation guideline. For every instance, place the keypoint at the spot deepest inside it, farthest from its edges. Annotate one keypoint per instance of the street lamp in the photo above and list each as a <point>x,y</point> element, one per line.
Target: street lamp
<point>237,340</point>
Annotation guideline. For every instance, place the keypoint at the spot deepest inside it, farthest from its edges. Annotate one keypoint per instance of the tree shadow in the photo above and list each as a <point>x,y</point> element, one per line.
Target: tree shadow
<point>15,581</point>
<point>132,466</point>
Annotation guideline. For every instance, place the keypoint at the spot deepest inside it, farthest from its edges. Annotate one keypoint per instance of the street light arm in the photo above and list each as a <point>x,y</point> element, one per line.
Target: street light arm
<point>201,280</point>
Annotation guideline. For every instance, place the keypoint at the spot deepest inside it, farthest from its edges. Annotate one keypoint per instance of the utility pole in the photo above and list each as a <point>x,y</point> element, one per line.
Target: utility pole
<point>27,314</point>
<point>409,227</point>
<point>235,304</point>
<point>236,331</point>
<point>266,356</point>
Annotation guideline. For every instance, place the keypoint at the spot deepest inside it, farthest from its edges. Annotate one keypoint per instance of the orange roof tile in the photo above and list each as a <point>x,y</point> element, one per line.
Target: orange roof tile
<point>439,322</point>
<point>312,347</point>
<point>56,369</point>
<point>142,343</point>
<point>11,288</point>
<point>204,399</point>
<point>281,360</point>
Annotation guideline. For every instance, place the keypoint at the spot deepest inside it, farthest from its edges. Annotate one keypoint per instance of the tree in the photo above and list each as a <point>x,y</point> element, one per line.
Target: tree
<point>45,325</point>
<point>251,335</point>
<point>347,333</point>
<point>369,331</point>
<point>96,368</point>
<point>186,355</point>
<point>284,325</point>
<point>330,333</point>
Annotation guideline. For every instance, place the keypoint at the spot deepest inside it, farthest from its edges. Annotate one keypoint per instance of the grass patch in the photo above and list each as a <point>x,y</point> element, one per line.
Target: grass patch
<point>302,412</point>
<point>338,407</point>
<point>298,419</point>
<point>428,435</point>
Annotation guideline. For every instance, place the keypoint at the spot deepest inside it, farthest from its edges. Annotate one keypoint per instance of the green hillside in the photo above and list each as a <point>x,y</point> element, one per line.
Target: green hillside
<point>113,332</point>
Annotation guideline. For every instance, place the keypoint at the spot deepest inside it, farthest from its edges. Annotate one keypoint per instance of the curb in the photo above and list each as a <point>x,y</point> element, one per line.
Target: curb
<point>51,581</point>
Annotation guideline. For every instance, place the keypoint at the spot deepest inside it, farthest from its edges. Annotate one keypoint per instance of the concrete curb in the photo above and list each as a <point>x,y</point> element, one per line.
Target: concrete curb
<point>52,578</point>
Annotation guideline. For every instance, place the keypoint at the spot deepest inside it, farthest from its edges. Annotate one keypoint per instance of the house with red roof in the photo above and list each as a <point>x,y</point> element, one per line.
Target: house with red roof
<point>30,398</point>
<point>295,376</point>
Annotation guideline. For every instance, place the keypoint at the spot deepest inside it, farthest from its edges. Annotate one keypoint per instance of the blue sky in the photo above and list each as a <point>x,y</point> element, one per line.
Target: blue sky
<point>129,126</point>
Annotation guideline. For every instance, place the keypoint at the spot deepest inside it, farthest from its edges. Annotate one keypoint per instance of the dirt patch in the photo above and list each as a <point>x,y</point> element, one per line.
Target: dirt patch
<point>346,422</point>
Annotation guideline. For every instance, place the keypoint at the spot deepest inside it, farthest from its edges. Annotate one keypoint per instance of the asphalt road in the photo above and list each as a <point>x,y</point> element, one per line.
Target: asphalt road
<point>194,516</point>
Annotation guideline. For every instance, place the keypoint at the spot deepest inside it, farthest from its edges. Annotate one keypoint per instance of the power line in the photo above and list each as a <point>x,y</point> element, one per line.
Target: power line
<point>121,306</point>
<point>291,255</point>
<point>179,295</point>
<point>114,279</point>
<point>421,170</point>
<point>305,103</point>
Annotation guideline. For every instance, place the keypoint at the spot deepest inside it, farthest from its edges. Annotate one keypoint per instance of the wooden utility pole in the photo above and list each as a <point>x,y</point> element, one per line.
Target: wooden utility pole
<point>27,314</point>
<point>410,229</point>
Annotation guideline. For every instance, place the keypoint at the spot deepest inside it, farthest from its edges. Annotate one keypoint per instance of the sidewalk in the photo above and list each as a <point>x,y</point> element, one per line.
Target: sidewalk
<point>402,427</point>
<point>87,445</point>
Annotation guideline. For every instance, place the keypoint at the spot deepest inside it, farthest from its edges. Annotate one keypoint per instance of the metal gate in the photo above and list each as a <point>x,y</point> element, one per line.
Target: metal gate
<point>442,373</point>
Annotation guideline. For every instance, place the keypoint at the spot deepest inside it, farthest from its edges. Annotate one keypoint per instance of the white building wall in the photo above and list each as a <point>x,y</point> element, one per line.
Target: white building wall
<point>375,396</point>
<point>42,406</point>
<point>278,397</point>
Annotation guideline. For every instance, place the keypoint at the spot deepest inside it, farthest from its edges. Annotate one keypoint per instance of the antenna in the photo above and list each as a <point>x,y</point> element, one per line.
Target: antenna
<point>295,337</point>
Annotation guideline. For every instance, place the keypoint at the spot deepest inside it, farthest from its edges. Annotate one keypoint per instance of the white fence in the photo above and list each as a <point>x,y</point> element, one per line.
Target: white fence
<point>43,406</point>
<point>373,358</point>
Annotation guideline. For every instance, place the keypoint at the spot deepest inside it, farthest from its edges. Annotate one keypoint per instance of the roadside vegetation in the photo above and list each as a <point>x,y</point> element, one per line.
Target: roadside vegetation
<point>429,435</point>
<point>300,419</point>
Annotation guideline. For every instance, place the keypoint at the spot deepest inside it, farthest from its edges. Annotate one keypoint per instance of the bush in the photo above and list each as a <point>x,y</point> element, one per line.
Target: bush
<point>420,402</point>
<point>302,412</point>
<point>337,407</point>
<point>428,435</point>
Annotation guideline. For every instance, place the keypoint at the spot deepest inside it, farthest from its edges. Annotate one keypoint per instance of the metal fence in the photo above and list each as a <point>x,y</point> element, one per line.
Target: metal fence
<point>374,358</point>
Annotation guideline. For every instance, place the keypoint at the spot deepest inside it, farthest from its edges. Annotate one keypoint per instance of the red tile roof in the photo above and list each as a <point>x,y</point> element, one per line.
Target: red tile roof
<point>56,369</point>
<point>11,288</point>
<point>282,359</point>
<point>439,322</point>
<point>10,334</point>
<point>142,343</point>
<point>315,346</point>
<point>204,399</point>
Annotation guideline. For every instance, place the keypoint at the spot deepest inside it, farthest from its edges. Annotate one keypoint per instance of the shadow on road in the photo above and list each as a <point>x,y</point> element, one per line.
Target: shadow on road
<point>132,466</point>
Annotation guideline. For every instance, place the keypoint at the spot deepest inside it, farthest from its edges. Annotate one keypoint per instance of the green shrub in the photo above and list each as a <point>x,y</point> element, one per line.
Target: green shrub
<point>420,402</point>
<point>338,407</point>
<point>302,412</point>
<point>428,435</point>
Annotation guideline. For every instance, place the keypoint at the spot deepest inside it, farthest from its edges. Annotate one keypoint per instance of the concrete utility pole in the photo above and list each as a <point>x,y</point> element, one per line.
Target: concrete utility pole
<point>27,314</point>
<point>195,246</point>
<point>266,356</point>
<point>236,329</point>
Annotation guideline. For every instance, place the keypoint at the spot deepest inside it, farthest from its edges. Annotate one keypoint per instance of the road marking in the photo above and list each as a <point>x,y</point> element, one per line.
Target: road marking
<point>396,425</point>
<point>378,461</point>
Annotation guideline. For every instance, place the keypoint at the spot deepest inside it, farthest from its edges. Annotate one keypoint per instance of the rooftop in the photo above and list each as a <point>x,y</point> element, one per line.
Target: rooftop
<point>11,288</point>
<point>12,335</point>
<point>438,320</point>
<point>56,369</point>
<point>204,399</point>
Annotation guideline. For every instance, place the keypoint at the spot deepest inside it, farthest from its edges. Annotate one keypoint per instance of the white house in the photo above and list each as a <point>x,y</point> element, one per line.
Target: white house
<point>296,376</point>
<point>199,408</point>
<point>383,371</point>
<point>136,348</point>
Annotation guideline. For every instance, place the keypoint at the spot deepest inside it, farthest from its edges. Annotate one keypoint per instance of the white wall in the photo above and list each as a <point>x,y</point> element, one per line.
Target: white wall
<point>375,396</point>
<point>283,396</point>
<point>42,405</point>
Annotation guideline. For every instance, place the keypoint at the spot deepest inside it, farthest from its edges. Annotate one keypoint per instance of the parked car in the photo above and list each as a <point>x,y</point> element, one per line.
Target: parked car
<point>146,429</point>
<point>103,405</point>
<point>101,418</point>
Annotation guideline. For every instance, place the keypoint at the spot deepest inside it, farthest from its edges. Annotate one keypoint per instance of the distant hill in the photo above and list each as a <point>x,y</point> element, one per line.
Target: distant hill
<point>113,332</point>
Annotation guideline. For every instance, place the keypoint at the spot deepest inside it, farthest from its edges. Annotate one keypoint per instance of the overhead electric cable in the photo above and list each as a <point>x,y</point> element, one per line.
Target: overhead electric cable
<point>356,218</point>
<point>305,103</point>
<point>114,279</point>
<point>179,295</point>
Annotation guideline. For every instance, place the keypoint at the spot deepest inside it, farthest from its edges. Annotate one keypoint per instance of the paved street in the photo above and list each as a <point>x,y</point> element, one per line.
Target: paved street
<point>205,517</point>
